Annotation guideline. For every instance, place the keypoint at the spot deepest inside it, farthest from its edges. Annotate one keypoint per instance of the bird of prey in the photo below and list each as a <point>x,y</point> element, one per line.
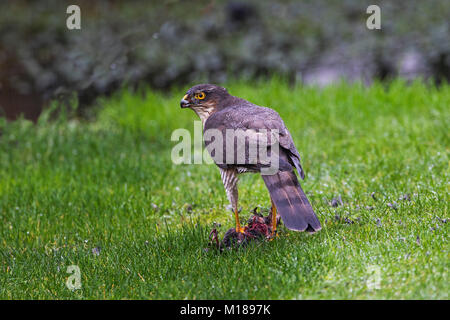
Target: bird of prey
<point>219,111</point>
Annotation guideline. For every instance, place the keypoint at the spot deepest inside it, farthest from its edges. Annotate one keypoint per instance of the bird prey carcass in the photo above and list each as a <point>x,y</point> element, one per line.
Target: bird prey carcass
<point>222,113</point>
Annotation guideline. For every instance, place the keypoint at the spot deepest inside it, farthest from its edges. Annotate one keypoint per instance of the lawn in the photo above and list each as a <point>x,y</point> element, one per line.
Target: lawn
<point>104,195</point>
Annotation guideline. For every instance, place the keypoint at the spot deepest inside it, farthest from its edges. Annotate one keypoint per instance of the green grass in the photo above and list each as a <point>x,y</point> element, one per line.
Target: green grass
<point>68,186</point>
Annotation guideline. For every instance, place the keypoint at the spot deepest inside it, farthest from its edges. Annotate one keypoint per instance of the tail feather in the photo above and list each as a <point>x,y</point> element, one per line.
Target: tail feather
<point>291,202</point>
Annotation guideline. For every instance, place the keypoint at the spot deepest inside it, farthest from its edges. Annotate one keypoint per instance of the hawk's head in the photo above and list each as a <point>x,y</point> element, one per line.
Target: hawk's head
<point>205,99</point>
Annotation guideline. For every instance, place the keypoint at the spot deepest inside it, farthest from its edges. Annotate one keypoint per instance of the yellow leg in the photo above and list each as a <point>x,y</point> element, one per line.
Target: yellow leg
<point>274,218</point>
<point>238,224</point>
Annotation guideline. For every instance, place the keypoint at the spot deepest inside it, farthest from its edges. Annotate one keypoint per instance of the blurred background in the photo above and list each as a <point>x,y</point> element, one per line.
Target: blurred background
<point>163,44</point>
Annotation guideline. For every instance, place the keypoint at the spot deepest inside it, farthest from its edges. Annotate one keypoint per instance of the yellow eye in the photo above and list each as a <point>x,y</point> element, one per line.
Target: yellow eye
<point>200,96</point>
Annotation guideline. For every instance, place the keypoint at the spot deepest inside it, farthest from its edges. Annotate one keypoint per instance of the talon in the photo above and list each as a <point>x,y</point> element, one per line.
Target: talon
<point>240,230</point>
<point>273,235</point>
<point>238,225</point>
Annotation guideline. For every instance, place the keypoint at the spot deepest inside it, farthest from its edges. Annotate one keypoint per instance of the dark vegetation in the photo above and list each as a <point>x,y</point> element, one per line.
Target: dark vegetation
<point>163,43</point>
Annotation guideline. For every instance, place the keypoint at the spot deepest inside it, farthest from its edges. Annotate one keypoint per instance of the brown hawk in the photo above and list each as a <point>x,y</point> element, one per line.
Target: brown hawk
<point>220,112</point>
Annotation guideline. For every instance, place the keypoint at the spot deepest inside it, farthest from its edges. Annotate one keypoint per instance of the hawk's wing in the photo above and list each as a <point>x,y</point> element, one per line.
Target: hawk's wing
<point>251,118</point>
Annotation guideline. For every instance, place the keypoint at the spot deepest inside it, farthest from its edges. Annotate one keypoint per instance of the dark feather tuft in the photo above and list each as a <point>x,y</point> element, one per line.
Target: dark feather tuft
<point>291,202</point>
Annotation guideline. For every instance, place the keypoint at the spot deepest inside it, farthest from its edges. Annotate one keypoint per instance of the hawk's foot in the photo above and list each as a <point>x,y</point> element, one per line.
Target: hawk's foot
<point>239,229</point>
<point>273,235</point>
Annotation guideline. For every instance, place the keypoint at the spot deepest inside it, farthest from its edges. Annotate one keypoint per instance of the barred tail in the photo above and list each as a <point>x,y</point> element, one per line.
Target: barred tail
<point>291,202</point>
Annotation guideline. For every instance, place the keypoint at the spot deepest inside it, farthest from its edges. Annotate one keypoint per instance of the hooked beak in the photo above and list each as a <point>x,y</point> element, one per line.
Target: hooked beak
<point>184,103</point>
